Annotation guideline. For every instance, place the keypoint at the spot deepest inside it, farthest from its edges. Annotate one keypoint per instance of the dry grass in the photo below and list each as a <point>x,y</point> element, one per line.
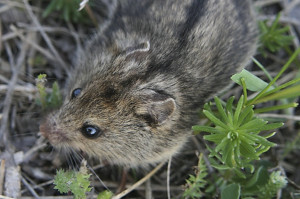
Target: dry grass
<point>30,45</point>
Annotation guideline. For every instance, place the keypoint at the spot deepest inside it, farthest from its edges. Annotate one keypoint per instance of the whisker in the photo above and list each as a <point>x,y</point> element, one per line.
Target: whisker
<point>98,178</point>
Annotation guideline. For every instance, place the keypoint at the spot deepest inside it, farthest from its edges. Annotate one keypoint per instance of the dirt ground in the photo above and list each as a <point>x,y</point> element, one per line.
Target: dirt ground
<point>31,44</point>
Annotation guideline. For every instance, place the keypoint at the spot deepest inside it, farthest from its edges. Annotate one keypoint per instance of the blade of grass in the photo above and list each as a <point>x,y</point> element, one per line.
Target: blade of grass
<point>286,93</point>
<point>294,81</point>
<point>274,108</point>
<point>288,63</point>
<point>262,68</point>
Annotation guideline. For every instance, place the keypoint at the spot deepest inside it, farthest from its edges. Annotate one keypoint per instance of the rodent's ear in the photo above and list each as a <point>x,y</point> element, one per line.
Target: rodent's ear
<point>136,50</point>
<point>157,108</point>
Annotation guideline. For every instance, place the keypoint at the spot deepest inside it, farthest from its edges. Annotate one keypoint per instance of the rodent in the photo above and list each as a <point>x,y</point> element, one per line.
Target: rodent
<point>139,84</point>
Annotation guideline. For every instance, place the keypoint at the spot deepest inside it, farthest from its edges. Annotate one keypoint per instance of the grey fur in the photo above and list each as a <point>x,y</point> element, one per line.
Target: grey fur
<point>147,72</point>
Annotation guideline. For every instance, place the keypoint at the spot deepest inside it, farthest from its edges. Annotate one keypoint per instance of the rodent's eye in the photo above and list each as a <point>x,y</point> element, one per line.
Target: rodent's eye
<point>76,92</point>
<point>90,131</point>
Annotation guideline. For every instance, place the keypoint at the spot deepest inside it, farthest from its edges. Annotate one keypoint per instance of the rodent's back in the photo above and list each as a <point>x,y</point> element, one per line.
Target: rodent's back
<point>146,73</point>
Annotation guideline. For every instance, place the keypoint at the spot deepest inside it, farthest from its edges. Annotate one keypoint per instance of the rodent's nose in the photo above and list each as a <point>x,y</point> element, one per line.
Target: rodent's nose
<point>52,133</point>
<point>44,129</point>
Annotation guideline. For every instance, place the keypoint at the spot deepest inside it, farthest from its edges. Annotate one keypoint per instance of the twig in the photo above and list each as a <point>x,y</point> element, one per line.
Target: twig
<point>9,93</point>
<point>0,35</point>
<point>205,158</point>
<point>2,170</point>
<point>154,187</point>
<point>291,6</point>
<point>16,4</point>
<point>148,189</point>
<point>34,45</point>
<point>137,184</point>
<point>25,90</point>
<point>10,55</point>
<point>32,151</point>
<point>168,177</point>
<point>44,35</point>
<point>30,188</point>
<point>39,186</point>
<point>5,197</point>
<point>123,181</point>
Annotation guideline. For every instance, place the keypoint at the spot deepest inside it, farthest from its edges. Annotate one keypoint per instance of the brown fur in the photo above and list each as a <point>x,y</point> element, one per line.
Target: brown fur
<point>147,72</point>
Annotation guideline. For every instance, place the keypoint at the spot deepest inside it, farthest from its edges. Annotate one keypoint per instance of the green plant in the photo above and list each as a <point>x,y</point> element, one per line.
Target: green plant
<point>236,135</point>
<point>239,140</point>
<point>69,10</point>
<point>105,195</point>
<point>196,182</point>
<point>275,182</point>
<point>48,100</point>
<point>273,37</point>
<point>76,182</point>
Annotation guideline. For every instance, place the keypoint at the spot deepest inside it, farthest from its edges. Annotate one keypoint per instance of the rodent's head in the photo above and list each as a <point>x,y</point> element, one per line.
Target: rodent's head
<point>116,115</point>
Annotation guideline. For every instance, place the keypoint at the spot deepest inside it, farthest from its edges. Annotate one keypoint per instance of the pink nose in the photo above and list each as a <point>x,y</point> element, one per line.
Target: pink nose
<point>50,131</point>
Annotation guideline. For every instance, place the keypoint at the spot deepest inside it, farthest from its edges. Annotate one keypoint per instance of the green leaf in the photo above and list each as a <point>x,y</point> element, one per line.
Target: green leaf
<point>248,151</point>
<point>258,180</point>
<point>214,119</point>
<point>255,123</point>
<point>62,180</point>
<point>216,138</point>
<point>262,68</point>
<point>253,82</point>
<point>246,115</point>
<point>209,129</point>
<point>265,127</point>
<point>238,111</point>
<point>259,139</point>
<point>220,167</point>
<point>275,108</point>
<point>228,153</point>
<point>229,105</point>
<point>221,109</point>
<point>222,145</point>
<point>232,191</point>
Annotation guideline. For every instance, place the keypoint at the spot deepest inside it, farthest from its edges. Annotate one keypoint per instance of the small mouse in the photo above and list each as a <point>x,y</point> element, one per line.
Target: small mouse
<point>139,85</point>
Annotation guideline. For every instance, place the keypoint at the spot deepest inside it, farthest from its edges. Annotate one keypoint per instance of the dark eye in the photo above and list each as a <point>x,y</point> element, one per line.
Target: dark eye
<point>76,92</point>
<point>90,131</point>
